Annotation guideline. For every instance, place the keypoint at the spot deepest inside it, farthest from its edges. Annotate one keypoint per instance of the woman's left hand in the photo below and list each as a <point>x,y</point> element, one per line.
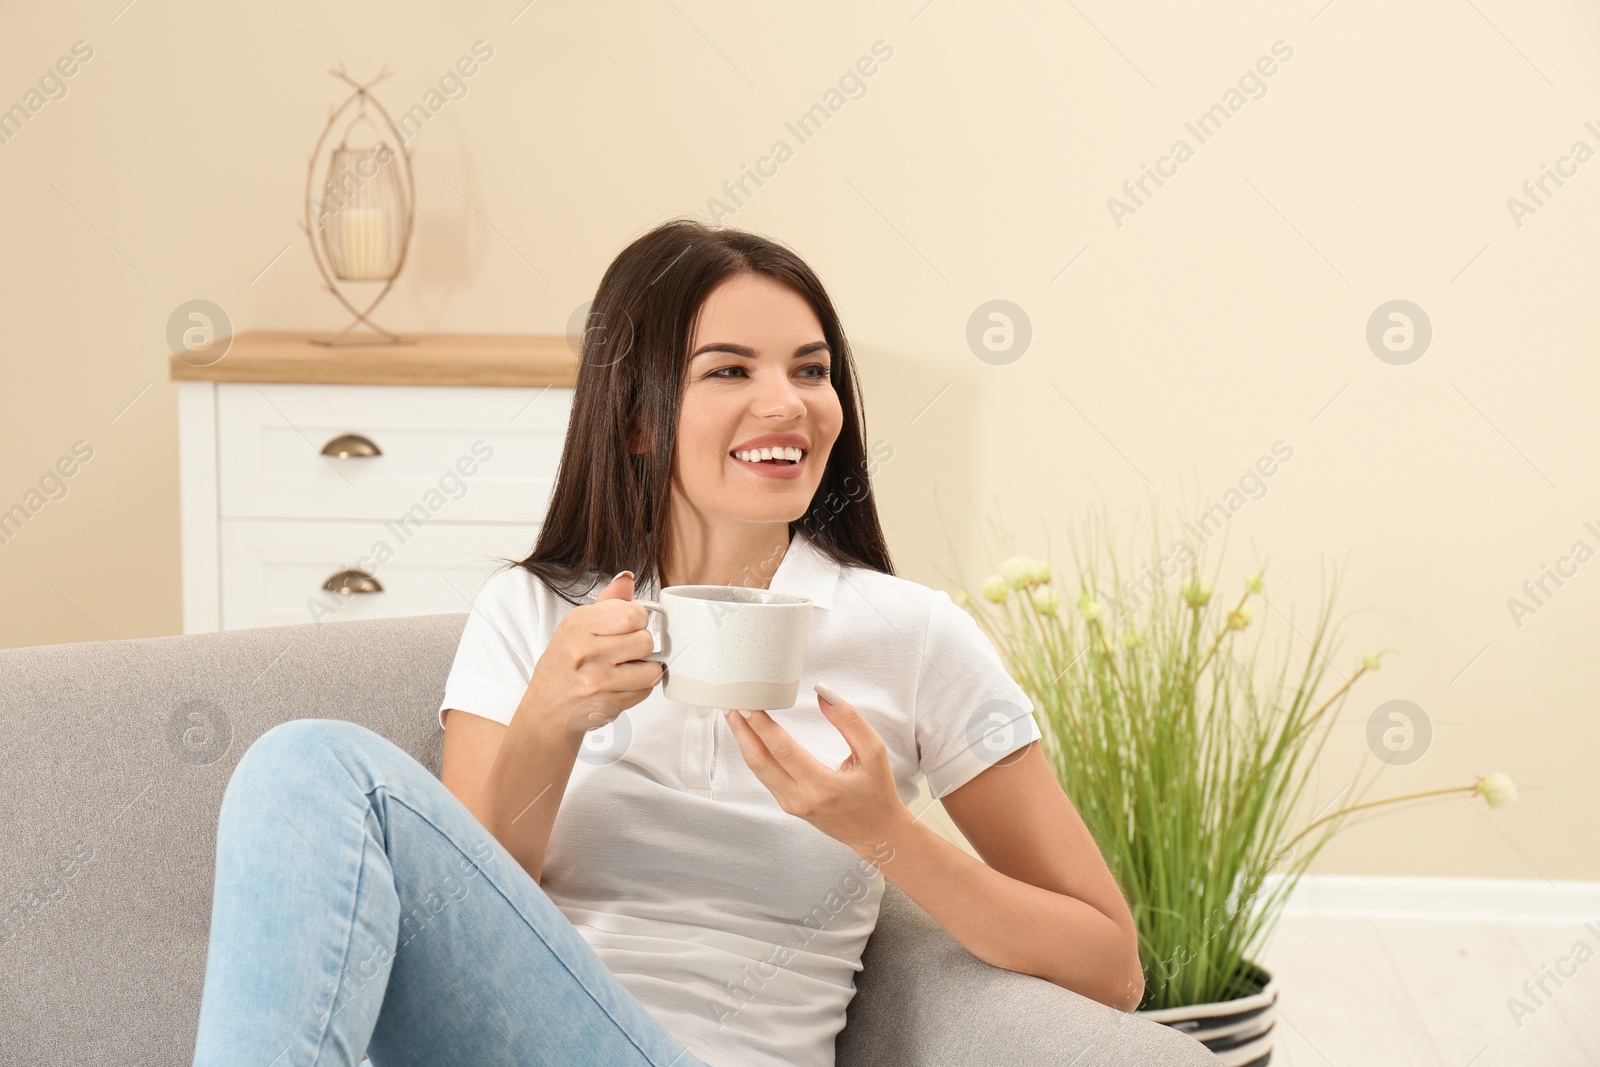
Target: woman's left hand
<point>857,804</point>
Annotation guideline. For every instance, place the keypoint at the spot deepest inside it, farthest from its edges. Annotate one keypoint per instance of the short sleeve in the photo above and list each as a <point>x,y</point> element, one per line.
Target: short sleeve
<point>502,640</point>
<point>970,713</point>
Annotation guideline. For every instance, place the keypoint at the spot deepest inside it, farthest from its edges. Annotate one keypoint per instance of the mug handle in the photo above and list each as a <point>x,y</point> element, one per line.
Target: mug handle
<point>657,657</point>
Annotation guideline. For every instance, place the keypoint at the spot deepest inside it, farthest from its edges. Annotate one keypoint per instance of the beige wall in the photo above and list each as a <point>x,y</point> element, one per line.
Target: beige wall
<point>1228,312</point>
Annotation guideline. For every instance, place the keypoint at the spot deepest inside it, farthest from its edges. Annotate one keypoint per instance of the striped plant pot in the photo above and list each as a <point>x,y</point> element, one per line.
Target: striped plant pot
<point>1239,1031</point>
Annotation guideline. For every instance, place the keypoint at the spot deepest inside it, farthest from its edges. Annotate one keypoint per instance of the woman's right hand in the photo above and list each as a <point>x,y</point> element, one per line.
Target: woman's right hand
<point>594,668</point>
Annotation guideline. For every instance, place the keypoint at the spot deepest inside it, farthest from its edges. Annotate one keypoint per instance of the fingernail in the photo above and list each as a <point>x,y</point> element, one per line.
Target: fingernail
<point>746,714</point>
<point>621,573</point>
<point>827,694</point>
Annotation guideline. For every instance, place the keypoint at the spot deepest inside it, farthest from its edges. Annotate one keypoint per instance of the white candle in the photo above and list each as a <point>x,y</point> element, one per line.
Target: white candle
<point>366,252</point>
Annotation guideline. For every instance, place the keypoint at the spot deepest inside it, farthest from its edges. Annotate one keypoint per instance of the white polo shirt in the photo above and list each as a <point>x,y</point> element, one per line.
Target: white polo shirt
<point>740,927</point>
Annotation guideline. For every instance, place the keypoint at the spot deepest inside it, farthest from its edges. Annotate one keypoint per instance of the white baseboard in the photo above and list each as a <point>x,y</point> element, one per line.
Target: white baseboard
<point>1466,899</point>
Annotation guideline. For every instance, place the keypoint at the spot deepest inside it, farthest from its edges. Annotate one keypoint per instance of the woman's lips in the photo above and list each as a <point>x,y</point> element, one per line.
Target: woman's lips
<point>774,470</point>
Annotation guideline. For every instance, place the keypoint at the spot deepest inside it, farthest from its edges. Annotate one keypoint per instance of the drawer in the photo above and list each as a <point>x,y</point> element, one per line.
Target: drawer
<point>272,571</point>
<point>458,454</point>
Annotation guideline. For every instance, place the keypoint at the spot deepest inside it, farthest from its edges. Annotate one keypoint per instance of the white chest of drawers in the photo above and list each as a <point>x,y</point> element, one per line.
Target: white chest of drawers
<point>394,491</point>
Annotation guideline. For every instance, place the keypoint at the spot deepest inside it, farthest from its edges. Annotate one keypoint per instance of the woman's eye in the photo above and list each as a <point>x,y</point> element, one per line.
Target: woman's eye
<point>821,368</point>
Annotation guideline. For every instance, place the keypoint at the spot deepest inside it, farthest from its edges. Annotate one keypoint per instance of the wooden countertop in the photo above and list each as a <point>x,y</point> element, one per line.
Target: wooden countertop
<point>435,359</point>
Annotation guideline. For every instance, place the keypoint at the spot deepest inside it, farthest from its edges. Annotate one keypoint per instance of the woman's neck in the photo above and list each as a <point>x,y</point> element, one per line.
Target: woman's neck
<point>743,556</point>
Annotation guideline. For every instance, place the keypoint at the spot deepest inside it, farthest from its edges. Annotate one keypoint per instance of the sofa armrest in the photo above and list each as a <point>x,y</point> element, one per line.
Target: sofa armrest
<point>922,1000</point>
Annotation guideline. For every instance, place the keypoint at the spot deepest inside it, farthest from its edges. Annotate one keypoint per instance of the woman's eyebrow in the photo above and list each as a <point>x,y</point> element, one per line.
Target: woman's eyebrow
<point>749,353</point>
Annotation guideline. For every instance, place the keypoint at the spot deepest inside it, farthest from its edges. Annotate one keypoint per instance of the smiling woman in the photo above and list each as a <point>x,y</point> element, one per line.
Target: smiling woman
<point>669,885</point>
<point>717,438</point>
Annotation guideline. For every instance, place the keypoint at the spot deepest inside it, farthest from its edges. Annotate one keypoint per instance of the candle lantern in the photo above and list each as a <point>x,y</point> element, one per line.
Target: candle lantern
<point>359,221</point>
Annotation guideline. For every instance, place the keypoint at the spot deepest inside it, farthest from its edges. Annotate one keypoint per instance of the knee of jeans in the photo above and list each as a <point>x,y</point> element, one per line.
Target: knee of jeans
<point>295,740</point>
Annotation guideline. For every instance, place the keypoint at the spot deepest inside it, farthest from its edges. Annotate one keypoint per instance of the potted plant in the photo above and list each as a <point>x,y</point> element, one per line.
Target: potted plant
<point>1187,757</point>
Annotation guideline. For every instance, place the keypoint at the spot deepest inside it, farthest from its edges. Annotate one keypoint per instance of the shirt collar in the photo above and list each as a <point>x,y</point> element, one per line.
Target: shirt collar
<point>807,571</point>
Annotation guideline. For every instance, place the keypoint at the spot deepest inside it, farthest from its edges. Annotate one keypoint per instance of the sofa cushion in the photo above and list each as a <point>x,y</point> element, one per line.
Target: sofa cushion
<point>116,754</point>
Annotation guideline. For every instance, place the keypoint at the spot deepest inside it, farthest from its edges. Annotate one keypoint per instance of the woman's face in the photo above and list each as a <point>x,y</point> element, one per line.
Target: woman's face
<point>758,367</point>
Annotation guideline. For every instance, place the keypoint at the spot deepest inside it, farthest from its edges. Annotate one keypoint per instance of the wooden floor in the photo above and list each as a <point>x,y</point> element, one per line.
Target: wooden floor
<point>1416,992</point>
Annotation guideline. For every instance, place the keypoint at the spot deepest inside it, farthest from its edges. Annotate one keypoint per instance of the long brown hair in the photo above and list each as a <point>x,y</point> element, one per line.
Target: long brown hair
<point>610,508</point>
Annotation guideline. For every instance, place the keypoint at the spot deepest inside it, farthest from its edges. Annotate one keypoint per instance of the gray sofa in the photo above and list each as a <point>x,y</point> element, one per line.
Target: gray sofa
<point>115,756</point>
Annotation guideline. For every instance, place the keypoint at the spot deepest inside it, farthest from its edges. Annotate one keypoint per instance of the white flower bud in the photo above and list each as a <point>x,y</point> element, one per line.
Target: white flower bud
<point>996,588</point>
<point>1089,606</point>
<point>1197,592</point>
<point>1497,790</point>
<point>1047,600</point>
<point>1017,571</point>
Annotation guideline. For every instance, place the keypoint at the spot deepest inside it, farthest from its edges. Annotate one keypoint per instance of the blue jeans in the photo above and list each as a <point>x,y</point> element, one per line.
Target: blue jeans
<point>361,910</point>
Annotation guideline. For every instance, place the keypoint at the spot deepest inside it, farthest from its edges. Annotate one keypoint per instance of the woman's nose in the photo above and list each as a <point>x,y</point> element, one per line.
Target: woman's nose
<point>778,395</point>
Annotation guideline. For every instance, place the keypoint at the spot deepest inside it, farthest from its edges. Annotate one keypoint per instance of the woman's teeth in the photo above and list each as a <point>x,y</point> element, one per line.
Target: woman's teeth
<point>759,455</point>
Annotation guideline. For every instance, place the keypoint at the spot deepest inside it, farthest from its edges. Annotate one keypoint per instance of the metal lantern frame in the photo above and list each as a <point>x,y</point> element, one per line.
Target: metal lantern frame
<point>316,235</point>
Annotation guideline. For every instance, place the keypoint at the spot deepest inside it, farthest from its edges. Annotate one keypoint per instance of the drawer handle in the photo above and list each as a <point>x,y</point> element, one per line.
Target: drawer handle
<point>347,445</point>
<point>352,581</point>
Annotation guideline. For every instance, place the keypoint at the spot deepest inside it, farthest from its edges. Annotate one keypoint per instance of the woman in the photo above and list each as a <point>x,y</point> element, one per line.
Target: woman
<point>708,888</point>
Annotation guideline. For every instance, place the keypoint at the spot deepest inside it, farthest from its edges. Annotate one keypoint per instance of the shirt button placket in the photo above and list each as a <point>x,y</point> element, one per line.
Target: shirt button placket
<point>700,739</point>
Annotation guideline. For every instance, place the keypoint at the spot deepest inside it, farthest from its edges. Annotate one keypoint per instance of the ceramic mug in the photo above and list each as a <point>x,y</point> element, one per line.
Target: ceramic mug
<point>729,646</point>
